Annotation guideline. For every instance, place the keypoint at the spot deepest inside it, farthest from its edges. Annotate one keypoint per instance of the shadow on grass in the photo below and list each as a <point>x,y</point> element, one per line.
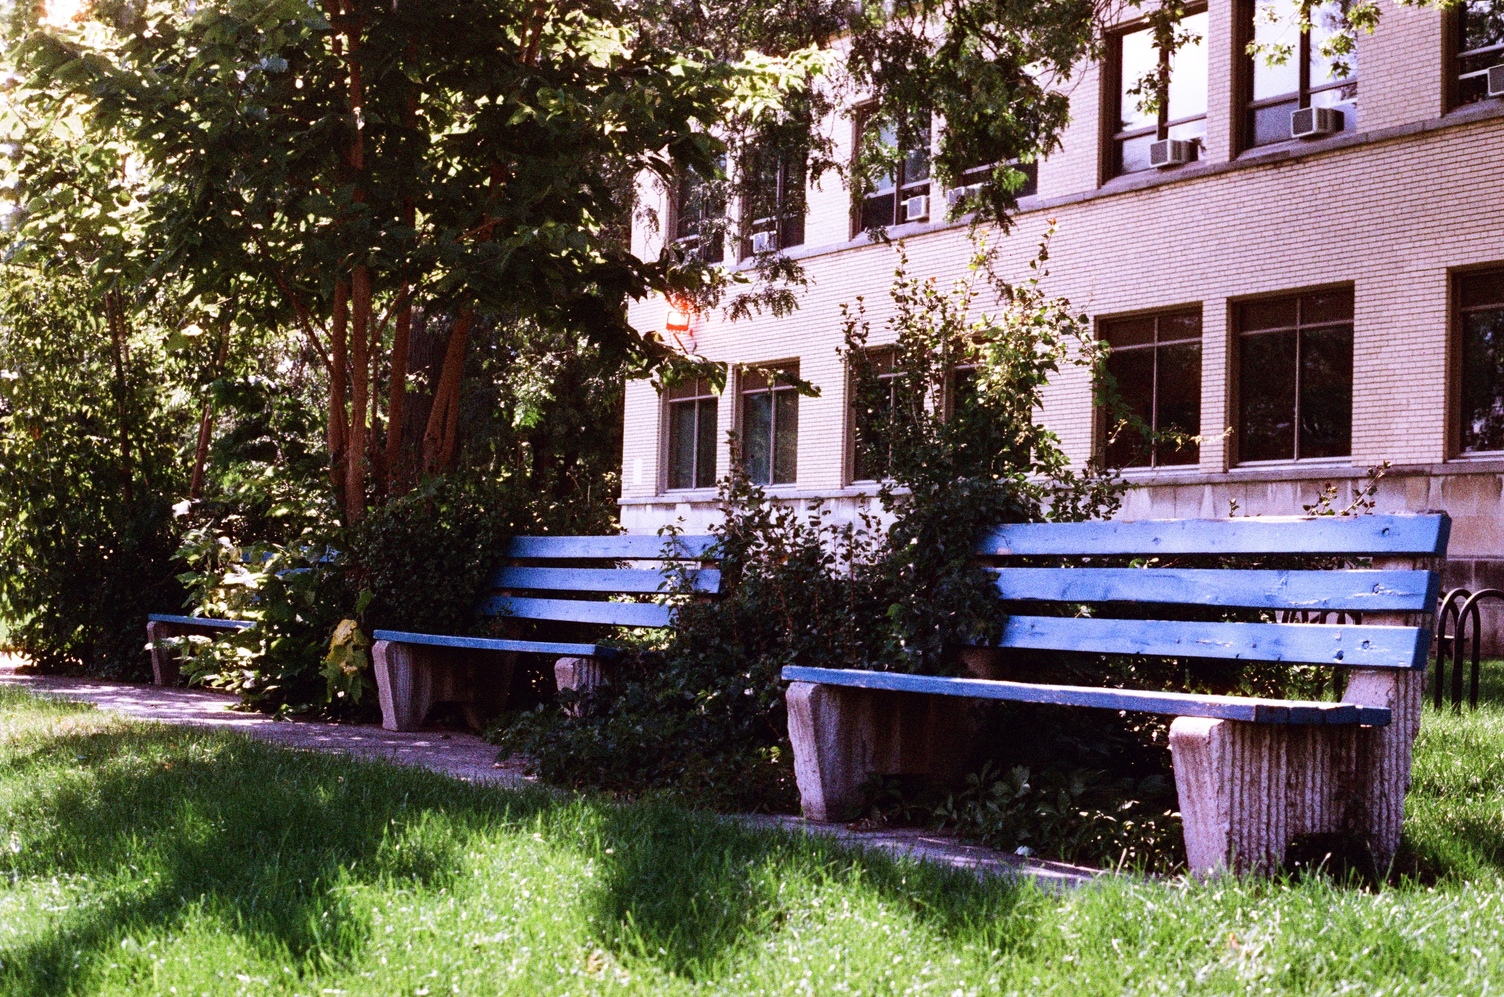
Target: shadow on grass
<point>164,827</point>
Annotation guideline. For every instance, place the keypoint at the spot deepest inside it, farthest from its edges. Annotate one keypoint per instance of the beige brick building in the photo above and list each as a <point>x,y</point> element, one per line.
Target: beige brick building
<point>1381,242</point>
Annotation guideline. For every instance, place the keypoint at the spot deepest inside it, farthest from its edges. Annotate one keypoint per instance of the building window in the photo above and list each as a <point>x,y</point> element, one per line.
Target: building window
<point>770,428</point>
<point>699,213</point>
<point>773,207</point>
<point>962,196</point>
<point>1292,68</point>
<point>872,415</point>
<point>691,434</point>
<point>1159,94</point>
<point>1156,362</point>
<point>1295,377</point>
<point>1480,45</point>
<point>1480,324</point>
<point>907,176</point>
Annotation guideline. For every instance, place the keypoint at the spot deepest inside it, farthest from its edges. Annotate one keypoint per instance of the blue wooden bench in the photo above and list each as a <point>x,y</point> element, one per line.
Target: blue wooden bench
<point>1253,774</point>
<point>165,635</point>
<point>570,583</point>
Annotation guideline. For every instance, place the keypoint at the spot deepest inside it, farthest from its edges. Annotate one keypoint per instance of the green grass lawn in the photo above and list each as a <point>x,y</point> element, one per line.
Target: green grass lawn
<point>136,859</point>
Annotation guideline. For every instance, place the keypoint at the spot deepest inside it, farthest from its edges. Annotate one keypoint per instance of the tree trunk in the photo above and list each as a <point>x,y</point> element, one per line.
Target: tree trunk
<point>338,371</point>
<point>396,407</point>
<point>443,418</point>
<point>360,373</point>
<point>206,420</point>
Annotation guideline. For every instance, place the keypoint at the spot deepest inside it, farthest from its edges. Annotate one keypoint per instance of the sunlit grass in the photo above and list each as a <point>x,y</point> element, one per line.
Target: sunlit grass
<point>140,859</point>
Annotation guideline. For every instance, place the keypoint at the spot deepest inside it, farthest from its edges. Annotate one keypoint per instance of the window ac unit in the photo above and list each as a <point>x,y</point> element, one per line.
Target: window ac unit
<point>1172,152</point>
<point>956,196</point>
<point>1314,122</point>
<point>915,208</point>
<point>764,242</point>
<point>1496,80</point>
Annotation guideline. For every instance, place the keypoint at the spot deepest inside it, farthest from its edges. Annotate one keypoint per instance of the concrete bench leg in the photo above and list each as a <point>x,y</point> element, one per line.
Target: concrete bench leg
<point>166,662</point>
<point>1248,791</point>
<point>581,676</point>
<point>842,737</point>
<point>412,678</point>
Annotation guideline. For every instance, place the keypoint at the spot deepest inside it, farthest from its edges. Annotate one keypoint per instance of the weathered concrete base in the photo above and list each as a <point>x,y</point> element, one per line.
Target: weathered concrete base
<point>412,678</point>
<point>1248,791</point>
<point>842,737</point>
<point>581,676</point>
<point>167,654</point>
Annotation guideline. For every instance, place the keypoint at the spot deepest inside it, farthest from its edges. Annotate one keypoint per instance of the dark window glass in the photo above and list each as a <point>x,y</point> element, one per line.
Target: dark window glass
<point>1295,377</point>
<point>883,204</point>
<point>1160,94</point>
<point>1291,68</point>
<point>700,218</point>
<point>1480,323</point>
<point>1480,44</point>
<point>770,429</point>
<point>1156,363</point>
<point>775,196</point>
<point>870,451</point>
<point>691,435</point>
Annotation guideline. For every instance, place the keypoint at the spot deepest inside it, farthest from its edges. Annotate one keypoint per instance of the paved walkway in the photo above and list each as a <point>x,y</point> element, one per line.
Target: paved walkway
<point>465,756</point>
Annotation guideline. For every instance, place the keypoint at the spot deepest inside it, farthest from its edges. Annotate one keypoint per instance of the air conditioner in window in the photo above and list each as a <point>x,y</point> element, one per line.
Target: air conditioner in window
<point>1314,122</point>
<point>957,196</point>
<point>1172,152</point>
<point>1496,80</point>
<point>916,208</point>
<point>764,242</point>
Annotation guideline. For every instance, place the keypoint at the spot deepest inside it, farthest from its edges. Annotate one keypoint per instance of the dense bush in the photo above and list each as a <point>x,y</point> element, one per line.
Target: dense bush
<point>89,460</point>
<point>903,591</point>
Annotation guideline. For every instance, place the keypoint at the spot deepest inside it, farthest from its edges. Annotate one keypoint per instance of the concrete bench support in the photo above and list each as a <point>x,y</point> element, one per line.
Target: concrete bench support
<point>842,737</point>
<point>168,653</point>
<point>412,678</point>
<point>1248,791</point>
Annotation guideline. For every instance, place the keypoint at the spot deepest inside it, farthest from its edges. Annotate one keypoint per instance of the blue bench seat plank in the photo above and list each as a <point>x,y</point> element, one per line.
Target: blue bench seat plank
<point>635,547</point>
<point>1180,704</point>
<point>1424,535</point>
<point>201,621</point>
<point>1300,643</point>
<point>621,614</point>
<point>624,580</point>
<point>496,644</point>
<point>1364,590</point>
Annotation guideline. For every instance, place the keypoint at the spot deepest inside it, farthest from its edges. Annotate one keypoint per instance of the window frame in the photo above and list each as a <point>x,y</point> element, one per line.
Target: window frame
<point>1457,374</point>
<point>703,392</point>
<point>774,388</point>
<point>1456,26</point>
<point>902,188</point>
<point>1247,106</point>
<point>1113,137</point>
<point>694,242</point>
<point>785,220</point>
<point>1235,378</point>
<point>886,358</point>
<point>1157,316</point>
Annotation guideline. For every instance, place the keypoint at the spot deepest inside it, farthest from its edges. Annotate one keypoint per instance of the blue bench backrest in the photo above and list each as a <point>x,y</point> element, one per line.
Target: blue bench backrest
<point>575,581</point>
<point>1353,591</point>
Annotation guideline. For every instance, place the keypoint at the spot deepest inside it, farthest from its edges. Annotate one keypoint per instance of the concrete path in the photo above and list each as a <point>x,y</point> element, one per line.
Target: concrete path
<point>465,756</point>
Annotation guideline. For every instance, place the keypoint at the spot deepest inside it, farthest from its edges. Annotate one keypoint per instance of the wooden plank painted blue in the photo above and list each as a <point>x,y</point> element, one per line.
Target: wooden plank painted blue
<point>1307,590</point>
<point>201,621</point>
<point>1304,643</point>
<point>637,547</point>
<point>622,614</point>
<point>642,581</point>
<point>1180,704</point>
<point>496,644</point>
<point>1425,534</point>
